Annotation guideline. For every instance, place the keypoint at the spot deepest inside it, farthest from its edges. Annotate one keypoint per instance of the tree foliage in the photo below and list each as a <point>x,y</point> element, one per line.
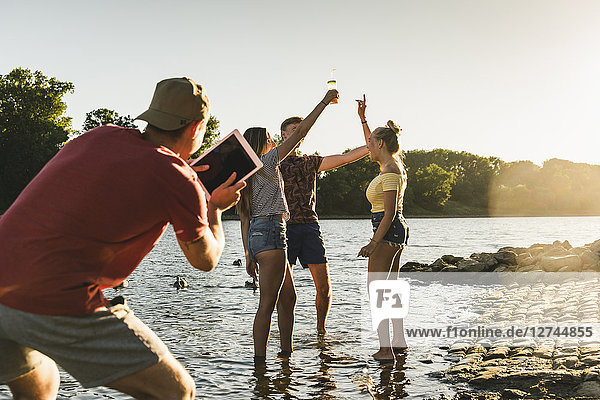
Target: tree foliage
<point>435,178</point>
<point>559,187</point>
<point>341,191</point>
<point>211,136</point>
<point>103,116</point>
<point>432,186</point>
<point>33,127</point>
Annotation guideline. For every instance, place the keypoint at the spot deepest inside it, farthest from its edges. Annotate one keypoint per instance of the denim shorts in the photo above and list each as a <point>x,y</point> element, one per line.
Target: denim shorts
<point>397,234</point>
<point>266,233</point>
<point>305,243</point>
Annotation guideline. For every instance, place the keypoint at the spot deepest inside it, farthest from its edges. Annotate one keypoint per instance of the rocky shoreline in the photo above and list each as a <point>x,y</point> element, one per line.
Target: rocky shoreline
<point>539,368</point>
<point>556,257</point>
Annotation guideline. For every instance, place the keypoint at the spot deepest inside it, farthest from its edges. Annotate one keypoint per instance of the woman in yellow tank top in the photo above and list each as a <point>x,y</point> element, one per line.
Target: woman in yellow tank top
<point>390,231</point>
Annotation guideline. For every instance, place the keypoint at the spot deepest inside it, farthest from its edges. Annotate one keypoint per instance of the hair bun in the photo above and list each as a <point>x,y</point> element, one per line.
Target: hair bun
<point>394,127</point>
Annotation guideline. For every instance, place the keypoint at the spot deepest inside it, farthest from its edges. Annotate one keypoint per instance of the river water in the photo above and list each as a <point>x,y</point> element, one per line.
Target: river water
<point>208,325</point>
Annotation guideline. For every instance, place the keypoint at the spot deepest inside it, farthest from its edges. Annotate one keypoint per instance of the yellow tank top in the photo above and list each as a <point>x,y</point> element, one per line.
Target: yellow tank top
<point>383,183</point>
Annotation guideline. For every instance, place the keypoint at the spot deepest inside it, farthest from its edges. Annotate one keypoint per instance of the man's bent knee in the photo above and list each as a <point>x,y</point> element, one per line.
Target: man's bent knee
<point>166,379</point>
<point>41,383</point>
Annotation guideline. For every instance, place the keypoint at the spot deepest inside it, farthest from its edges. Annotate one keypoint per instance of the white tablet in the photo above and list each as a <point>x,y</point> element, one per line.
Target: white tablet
<point>231,154</point>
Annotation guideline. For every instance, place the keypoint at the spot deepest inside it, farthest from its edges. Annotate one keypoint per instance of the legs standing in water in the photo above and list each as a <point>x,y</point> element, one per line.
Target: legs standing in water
<point>285,312</point>
<point>275,283</point>
<point>320,275</point>
<point>398,339</point>
<point>382,261</point>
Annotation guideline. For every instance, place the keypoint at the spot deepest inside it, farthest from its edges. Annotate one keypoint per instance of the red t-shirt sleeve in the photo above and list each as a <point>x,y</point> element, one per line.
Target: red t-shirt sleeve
<point>186,205</point>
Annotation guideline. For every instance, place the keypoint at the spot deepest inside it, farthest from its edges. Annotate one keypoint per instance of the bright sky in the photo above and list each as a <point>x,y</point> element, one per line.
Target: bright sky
<point>517,79</point>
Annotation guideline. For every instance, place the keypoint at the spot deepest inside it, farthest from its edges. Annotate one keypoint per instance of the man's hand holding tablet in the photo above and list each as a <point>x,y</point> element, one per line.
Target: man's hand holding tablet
<point>230,161</point>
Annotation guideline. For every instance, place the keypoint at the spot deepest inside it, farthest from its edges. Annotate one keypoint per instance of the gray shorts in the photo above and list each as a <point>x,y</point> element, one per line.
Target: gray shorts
<point>95,349</point>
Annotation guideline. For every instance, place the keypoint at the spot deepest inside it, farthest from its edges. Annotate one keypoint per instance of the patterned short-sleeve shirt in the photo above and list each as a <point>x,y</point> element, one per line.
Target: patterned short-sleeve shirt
<point>300,175</point>
<point>267,188</point>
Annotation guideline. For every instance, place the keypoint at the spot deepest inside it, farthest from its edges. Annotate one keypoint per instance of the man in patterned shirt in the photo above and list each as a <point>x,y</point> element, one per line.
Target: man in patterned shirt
<point>305,241</point>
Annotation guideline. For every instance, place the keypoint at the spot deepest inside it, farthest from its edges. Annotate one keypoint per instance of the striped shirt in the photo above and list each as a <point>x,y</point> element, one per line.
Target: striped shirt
<point>267,188</point>
<point>383,183</point>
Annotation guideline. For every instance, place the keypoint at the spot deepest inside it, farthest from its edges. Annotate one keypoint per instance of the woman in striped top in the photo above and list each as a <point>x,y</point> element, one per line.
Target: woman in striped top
<point>263,212</point>
<point>390,231</point>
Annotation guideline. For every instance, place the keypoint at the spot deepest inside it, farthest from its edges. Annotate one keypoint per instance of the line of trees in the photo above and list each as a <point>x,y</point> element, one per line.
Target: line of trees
<point>445,182</point>
<point>34,126</point>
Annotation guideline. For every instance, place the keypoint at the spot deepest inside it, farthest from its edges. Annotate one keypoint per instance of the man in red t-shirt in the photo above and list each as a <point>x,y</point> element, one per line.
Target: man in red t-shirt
<point>305,241</point>
<point>83,224</point>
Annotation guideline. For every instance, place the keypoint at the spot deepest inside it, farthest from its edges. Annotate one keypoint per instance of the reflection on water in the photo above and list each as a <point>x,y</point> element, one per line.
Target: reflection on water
<point>208,325</point>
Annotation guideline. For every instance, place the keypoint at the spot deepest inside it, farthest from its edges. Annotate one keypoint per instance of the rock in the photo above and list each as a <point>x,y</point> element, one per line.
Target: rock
<point>470,265</point>
<point>569,268</point>
<point>566,245</point>
<point>591,360</point>
<point>567,362</point>
<point>502,268</point>
<point>459,347</point>
<point>525,259</point>
<point>524,352</point>
<point>506,257</point>
<point>450,268</point>
<point>529,268</point>
<point>237,262</point>
<point>485,258</point>
<point>543,352</point>
<point>514,394</point>
<point>413,267</point>
<point>439,264</point>
<point>588,389</point>
<point>588,257</point>
<point>497,352</point>
<point>535,250</point>
<point>557,251</point>
<point>554,263</point>
<point>516,250</point>
<point>450,259</point>
<point>487,375</point>
<point>459,369</point>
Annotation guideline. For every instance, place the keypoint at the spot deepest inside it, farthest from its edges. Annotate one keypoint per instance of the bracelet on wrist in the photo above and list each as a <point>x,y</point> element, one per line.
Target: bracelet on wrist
<point>363,122</point>
<point>322,102</point>
<point>374,241</point>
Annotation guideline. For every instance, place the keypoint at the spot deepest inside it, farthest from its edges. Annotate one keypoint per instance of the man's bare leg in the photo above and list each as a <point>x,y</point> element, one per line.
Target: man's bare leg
<point>40,384</point>
<point>165,380</point>
<point>320,275</point>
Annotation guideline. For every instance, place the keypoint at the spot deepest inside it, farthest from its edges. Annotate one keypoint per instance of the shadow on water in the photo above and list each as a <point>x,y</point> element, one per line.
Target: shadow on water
<point>373,380</point>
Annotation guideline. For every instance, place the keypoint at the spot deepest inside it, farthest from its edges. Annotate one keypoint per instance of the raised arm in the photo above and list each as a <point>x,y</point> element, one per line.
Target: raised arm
<point>290,143</point>
<point>362,108</point>
<point>337,160</point>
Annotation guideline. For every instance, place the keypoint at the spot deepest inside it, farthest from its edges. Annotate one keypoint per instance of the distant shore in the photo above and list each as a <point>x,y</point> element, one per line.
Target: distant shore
<point>321,217</point>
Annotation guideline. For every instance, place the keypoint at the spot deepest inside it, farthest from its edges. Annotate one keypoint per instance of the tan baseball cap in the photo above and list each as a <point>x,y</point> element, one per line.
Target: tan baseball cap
<point>176,103</point>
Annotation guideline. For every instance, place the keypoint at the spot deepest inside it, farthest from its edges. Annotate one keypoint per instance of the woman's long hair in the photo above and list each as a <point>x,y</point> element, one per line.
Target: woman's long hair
<point>257,138</point>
